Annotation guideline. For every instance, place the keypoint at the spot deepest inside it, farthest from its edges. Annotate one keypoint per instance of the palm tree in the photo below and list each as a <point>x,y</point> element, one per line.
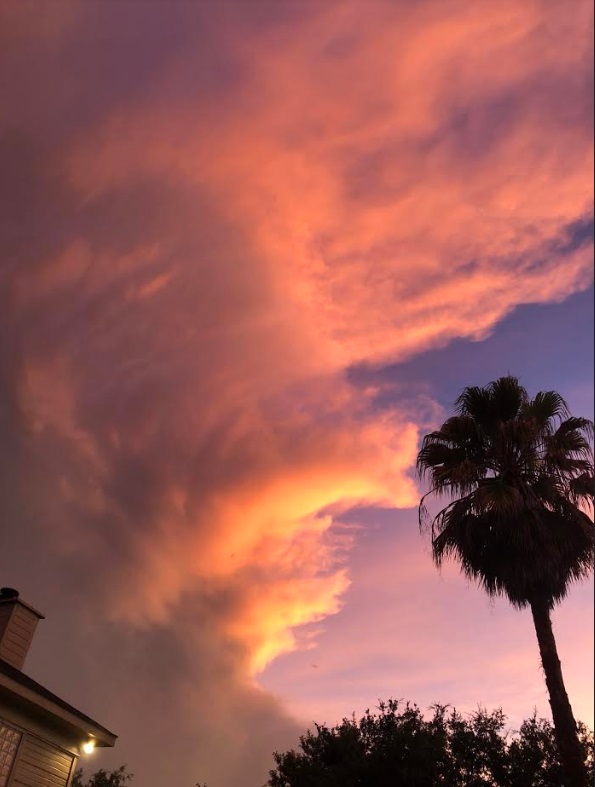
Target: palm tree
<point>519,473</point>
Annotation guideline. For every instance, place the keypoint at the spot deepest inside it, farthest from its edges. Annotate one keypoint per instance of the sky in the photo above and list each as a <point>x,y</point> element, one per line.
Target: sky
<point>251,253</point>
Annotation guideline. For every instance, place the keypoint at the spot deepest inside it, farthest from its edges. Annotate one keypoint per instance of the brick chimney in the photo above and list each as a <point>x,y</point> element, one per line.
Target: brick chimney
<point>18,622</point>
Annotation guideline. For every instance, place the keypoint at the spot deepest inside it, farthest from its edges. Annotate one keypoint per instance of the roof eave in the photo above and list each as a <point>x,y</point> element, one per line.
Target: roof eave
<point>101,736</point>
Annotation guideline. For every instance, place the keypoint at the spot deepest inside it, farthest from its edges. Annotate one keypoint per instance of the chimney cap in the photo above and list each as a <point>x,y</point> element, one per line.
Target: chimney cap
<point>10,595</point>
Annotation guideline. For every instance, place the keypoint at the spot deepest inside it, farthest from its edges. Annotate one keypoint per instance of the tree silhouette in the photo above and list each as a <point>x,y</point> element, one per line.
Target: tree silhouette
<point>398,747</point>
<point>519,473</point>
<point>103,778</point>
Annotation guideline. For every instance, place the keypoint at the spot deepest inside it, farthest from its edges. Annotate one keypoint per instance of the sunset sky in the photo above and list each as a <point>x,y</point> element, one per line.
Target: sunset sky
<point>251,252</point>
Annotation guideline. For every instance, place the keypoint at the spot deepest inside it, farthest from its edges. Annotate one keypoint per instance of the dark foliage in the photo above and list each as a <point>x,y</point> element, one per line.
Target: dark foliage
<point>102,778</point>
<point>398,747</point>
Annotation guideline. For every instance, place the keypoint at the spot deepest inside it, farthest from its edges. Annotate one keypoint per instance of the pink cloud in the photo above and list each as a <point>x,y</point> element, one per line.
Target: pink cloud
<point>368,145</point>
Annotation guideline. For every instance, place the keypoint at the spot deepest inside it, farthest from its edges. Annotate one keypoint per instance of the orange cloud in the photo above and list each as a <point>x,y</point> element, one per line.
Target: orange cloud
<point>391,189</point>
<point>430,638</point>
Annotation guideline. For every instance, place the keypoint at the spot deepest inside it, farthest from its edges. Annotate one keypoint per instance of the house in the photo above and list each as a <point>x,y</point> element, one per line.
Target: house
<point>41,735</point>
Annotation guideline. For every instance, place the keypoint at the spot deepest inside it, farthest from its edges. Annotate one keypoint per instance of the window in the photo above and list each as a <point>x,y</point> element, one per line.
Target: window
<point>9,743</point>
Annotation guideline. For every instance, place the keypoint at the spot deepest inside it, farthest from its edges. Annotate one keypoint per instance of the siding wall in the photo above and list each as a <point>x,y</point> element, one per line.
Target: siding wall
<point>40,764</point>
<point>17,626</point>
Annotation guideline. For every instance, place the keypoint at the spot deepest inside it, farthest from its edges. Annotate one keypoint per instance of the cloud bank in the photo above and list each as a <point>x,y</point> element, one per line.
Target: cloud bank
<point>212,214</point>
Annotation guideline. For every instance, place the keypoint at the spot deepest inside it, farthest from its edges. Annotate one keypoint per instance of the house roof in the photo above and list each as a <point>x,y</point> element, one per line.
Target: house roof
<point>29,690</point>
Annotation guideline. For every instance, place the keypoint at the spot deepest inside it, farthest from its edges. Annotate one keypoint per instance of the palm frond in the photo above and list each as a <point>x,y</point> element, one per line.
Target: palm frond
<point>473,402</point>
<point>451,457</point>
<point>547,407</point>
<point>582,485</point>
<point>573,436</point>
<point>508,398</point>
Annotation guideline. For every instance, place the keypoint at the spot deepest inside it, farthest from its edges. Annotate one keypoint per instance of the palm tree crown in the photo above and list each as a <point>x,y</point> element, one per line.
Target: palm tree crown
<point>520,475</point>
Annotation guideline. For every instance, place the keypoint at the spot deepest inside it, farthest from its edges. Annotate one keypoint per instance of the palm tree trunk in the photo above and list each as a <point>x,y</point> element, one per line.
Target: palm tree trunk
<point>571,751</point>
